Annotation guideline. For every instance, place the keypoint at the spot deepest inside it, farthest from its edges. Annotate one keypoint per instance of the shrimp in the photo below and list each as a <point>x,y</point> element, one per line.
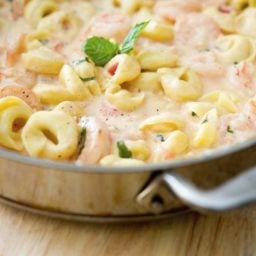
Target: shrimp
<point>110,25</point>
<point>15,46</point>
<point>98,141</point>
<point>13,76</point>
<point>198,63</point>
<point>242,77</point>
<point>173,9</point>
<point>18,8</point>
<point>187,32</point>
<point>23,93</point>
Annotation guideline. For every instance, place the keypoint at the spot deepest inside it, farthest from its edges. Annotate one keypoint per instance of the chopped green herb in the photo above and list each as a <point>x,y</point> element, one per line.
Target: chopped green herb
<point>194,113</point>
<point>132,36</point>
<point>205,121</point>
<point>100,50</point>
<point>160,137</point>
<point>44,41</point>
<point>236,63</point>
<point>81,143</point>
<point>229,129</point>
<point>87,79</point>
<point>124,152</point>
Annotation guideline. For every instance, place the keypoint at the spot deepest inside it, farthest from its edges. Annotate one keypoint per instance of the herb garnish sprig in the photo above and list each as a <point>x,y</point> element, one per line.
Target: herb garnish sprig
<point>101,50</point>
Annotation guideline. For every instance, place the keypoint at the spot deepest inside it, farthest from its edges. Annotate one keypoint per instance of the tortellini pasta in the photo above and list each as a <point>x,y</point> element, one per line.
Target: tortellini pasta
<point>138,148</point>
<point>146,81</point>
<point>14,113</point>
<point>133,5</point>
<point>246,22</point>
<point>43,61</point>
<point>61,24</point>
<point>87,73</point>
<point>73,83</point>
<point>152,60</point>
<point>158,31</point>
<point>235,48</point>
<point>52,94</point>
<point>199,108</point>
<point>240,4</point>
<point>223,100</point>
<point>51,134</point>
<point>164,122</point>
<point>35,39</point>
<point>37,9</point>
<point>226,21</point>
<point>177,143</point>
<point>182,84</point>
<point>124,99</point>
<point>123,68</point>
<point>206,136</point>
<point>123,83</point>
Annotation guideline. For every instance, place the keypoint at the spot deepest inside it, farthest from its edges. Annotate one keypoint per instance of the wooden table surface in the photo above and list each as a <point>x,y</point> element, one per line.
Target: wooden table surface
<point>22,233</point>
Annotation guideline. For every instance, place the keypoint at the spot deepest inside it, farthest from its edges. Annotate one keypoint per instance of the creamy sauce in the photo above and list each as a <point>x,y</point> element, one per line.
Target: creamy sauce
<point>195,42</point>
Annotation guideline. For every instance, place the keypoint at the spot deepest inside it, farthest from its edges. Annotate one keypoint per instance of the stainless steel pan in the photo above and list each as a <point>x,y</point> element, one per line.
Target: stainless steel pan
<point>221,180</point>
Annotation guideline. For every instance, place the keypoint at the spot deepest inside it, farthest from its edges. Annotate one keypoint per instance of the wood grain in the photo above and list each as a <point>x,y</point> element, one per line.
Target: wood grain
<point>22,233</point>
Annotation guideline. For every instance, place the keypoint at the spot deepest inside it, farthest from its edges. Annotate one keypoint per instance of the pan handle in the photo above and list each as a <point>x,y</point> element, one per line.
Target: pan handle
<point>235,193</point>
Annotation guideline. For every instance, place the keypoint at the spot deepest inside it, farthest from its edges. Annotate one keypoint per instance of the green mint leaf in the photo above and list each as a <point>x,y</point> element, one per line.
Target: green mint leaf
<point>82,140</point>
<point>124,152</point>
<point>132,36</point>
<point>100,50</point>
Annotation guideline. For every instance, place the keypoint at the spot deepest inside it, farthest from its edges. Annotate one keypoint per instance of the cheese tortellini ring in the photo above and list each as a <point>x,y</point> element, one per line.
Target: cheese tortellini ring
<point>128,7</point>
<point>158,31</point>
<point>246,22</point>
<point>235,48</point>
<point>72,108</point>
<point>206,136</point>
<point>123,68</point>
<point>51,134</point>
<point>153,60</point>
<point>87,73</point>
<point>182,85</point>
<point>43,61</point>
<point>223,100</point>
<point>37,9</point>
<point>226,21</point>
<point>73,83</point>
<point>199,108</point>
<point>61,25</point>
<point>241,4</point>
<point>123,99</point>
<point>35,38</point>
<point>52,94</point>
<point>113,160</point>
<point>164,122</point>
<point>132,6</point>
<point>14,113</point>
<point>139,149</point>
<point>177,143</point>
<point>146,81</point>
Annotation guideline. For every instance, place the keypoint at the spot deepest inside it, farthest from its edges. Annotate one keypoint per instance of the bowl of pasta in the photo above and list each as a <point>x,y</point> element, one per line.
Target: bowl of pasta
<point>127,110</point>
